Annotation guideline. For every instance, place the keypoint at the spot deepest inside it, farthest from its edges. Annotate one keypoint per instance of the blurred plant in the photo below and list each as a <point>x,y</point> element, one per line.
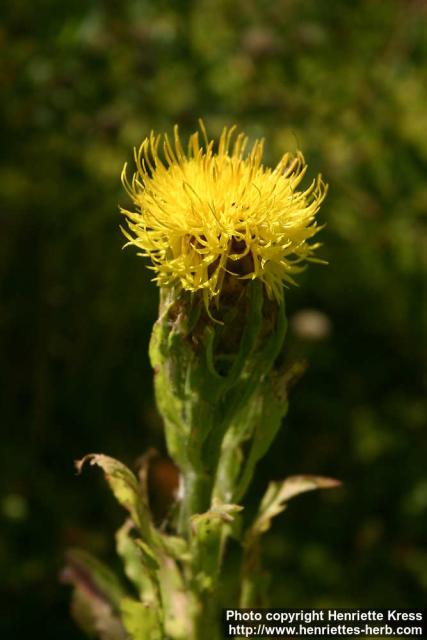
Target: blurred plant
<point>224,234</point>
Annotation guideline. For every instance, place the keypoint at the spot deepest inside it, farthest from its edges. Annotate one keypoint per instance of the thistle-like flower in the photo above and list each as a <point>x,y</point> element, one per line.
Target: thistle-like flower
<point>215,212</point>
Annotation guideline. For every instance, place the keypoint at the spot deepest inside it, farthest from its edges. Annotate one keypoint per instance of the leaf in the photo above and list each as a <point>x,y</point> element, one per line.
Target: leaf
<point>85,570</point>
<point>175,547</point>
<point>274,502</point>
<point>217,515</point>
<point>178,601</point>
<point>95,616</point>
<point>278,494</point>
<point>141,620</point>
<point>208,531</point>
<point>254,412</point>
<point>160,585</point>
<point>134,566</point>
<point>125,488</point>
<point>97,595</point>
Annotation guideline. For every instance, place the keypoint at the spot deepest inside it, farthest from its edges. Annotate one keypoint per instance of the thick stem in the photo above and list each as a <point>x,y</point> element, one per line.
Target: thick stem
<point>207,621</point>
<point>196,497</point>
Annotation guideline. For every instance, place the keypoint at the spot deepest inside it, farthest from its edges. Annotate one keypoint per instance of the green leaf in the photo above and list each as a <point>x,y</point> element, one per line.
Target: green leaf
<point>175,547</point>
<point>208,534</point>
<point>141,620</point>
<point>134,563</point>
<point>253,412</point>
<point>272,408</point>
<point>177,600</point>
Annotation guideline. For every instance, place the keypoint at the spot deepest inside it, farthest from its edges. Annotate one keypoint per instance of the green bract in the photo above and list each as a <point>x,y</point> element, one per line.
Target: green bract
<point>215,390</point>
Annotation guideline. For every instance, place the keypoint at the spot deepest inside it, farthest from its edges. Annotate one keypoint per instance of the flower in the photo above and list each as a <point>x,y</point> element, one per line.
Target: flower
<point>216,212</point>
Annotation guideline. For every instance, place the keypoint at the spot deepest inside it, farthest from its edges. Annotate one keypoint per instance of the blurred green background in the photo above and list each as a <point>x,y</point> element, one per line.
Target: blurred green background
<point>82,83</point>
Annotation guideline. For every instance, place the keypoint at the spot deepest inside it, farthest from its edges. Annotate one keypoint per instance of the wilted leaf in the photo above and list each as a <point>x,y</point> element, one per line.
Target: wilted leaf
<point>273,503</point>
<point>97,596</point>
<point>83,569</point>
<point>125,487</point>
<point>95,617</point>
<point>278,494</point>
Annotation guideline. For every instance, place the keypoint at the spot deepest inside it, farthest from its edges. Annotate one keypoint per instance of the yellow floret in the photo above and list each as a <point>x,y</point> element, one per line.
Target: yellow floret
<point>211,213</point>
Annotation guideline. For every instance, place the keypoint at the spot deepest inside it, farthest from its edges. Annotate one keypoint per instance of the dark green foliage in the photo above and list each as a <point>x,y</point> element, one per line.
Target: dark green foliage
<point>82,83</point>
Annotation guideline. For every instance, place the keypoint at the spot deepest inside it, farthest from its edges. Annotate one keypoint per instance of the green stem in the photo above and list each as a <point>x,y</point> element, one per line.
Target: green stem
<point>207,622</point>
<point>196,498</point>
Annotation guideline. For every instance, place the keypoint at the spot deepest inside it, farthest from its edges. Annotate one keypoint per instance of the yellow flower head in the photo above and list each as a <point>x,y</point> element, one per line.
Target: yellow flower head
<point>215,212</point>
